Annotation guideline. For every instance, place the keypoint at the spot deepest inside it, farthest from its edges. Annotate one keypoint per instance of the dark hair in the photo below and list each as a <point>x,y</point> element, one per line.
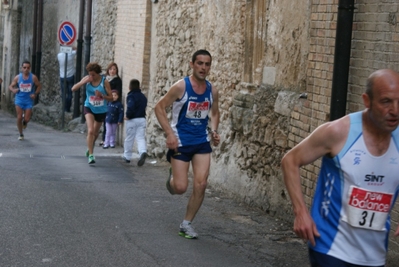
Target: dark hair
<point>93,66</point>
<point>134,84</point>
<point>112,64</point>
<point>26,62</point>
<point>200,52</point>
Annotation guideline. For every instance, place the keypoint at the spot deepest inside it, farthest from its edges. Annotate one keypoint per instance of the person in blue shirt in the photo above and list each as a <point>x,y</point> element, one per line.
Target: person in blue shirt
<point>194,101</point>
<point>26,86</point>
<point>113,119</point>
<point>98,92</point>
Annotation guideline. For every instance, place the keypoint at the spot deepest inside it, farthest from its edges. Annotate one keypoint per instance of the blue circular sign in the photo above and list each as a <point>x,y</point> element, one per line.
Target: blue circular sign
<point>66,33</point>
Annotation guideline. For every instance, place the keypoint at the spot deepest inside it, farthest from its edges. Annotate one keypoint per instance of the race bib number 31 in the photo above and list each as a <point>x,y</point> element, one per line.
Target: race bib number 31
<point>197,110</point>
<point>368,209</point>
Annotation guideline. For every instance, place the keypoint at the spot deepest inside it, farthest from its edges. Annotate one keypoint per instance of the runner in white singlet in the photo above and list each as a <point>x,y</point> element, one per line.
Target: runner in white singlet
<point>358,182</point>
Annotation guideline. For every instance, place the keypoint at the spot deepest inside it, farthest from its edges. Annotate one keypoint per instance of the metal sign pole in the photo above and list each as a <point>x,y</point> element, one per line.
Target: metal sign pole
<point>64,91</point>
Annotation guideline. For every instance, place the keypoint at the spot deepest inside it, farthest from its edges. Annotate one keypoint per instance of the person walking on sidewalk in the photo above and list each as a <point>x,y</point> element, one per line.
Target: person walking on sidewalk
<point>69,79</point>
<point>187,137</point>
<point>98,92</point>
<point>113,119</point>
<point>136,124</point>
<point>358,181</point>
<point>26,86</point>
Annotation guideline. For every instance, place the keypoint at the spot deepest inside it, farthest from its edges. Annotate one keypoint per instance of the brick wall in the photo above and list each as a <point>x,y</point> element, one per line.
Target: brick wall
<point>132,41</point>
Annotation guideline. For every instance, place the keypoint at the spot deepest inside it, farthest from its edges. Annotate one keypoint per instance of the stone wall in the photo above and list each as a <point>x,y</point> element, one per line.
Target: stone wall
<point>103,32</point>
<point>258,51</point>
<point>11,31</point>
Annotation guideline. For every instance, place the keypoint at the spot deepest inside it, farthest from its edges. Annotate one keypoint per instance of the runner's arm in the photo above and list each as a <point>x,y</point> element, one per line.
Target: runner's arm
<point>174,93</point>
<point>82,82</point>
<point>325,140</point>
<point>215,117</point>
<point>108,96</point>
<point>13,84</point>
<point>37,84</point>
<point>397,231</point>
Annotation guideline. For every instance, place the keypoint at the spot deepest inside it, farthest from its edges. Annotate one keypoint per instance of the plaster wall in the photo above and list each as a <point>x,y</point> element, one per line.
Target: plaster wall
<point>11,21</point>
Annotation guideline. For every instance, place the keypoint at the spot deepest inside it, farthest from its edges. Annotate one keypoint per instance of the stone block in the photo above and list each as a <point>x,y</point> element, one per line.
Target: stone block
<point>269,75</point>
<point>285,102</point>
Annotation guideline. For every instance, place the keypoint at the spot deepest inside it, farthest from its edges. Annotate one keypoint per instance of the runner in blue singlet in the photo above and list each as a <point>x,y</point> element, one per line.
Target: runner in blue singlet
<point>194,102</point>
<point>98,92</point>
<point>26,86</point>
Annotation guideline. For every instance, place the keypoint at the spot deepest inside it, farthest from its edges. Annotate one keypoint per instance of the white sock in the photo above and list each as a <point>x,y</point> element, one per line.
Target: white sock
<point>185,222</point>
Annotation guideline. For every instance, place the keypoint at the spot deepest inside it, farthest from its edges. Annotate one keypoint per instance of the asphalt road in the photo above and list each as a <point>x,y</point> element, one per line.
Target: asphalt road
<point>57,210</point>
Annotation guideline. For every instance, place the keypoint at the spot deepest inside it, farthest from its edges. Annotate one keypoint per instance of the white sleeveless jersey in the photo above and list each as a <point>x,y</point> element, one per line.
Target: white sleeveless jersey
<point>354,196</point>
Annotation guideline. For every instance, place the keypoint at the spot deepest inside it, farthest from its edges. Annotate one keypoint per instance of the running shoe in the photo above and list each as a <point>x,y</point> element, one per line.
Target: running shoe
<point>105,147</point>
<point>142,159</point>
<point>92,159</point>
<point>125,159</point>
<point>87,153</point>
<point>24,124</point>
<point>21,137</point>
<point>187,231</point>
<point>168,182</point>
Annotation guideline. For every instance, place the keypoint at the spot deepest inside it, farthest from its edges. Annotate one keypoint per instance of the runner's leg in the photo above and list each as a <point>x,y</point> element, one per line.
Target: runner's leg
<point>200,164</point>
<point>28,115</point>
<point>20,113</point>
<point>90,132</point>
<point>179,180</point>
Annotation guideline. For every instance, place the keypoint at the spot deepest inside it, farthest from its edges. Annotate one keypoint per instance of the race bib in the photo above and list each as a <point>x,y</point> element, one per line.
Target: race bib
<point>367,209</point>
<point>25,87</point>
<point>96,101</point>
<point>197,110</point>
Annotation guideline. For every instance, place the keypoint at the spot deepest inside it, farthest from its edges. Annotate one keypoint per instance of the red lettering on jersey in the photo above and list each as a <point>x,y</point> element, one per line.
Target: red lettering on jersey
<point>192,106</point>
<point>367,200</point>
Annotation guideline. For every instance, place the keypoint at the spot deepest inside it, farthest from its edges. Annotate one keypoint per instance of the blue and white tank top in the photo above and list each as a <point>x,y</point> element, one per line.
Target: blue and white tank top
<point>96,104</point>
<point>26,88</point>
<point>190,115</point>
<point>354,196</point>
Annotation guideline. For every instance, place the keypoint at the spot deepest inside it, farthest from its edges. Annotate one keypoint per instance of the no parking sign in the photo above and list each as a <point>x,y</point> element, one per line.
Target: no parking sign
<point>66,33</point>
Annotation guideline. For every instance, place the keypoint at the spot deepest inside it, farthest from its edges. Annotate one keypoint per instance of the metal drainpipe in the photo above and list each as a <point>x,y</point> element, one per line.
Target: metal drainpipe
<point>87,49</point>
<point>343,41</point>
<point>39,43</point>
<point>78,74</point>
<point>34,37</point>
